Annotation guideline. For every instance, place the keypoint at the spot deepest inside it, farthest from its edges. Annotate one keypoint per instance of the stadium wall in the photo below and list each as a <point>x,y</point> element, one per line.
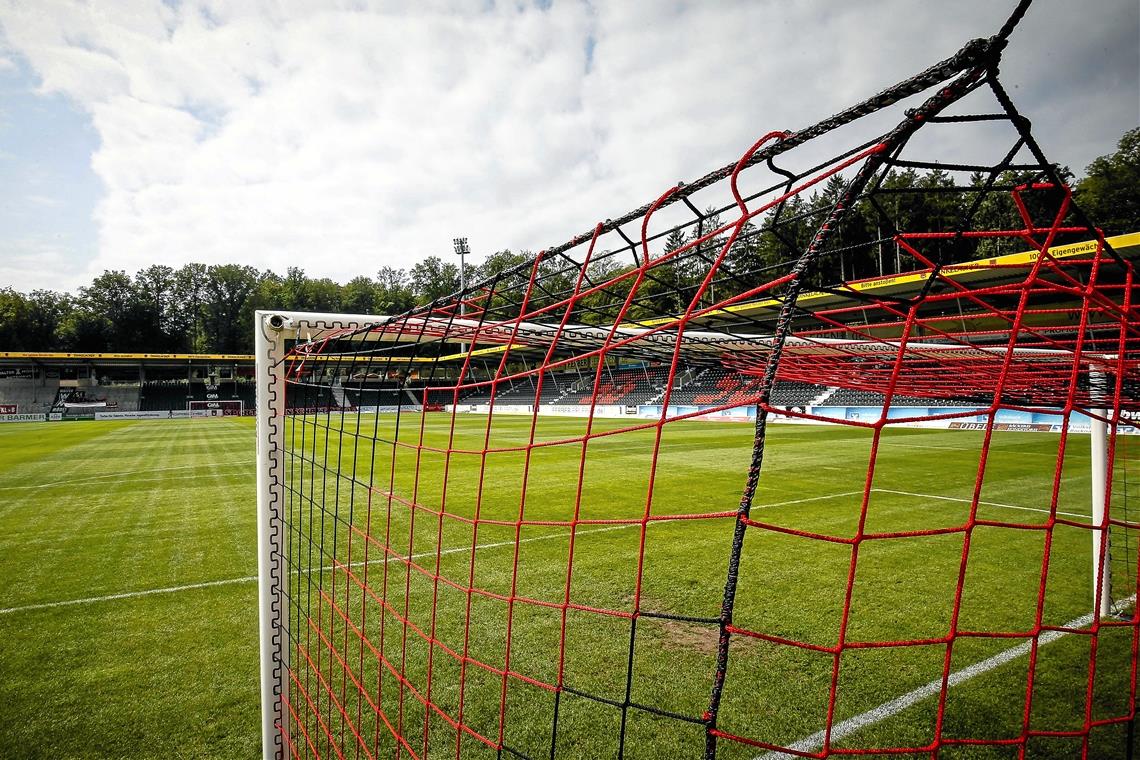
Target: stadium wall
<point>949,418</point>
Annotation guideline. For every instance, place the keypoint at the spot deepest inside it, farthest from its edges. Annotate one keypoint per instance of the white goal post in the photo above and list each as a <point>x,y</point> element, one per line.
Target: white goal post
<point>216,408</point>
<point>273,332</point>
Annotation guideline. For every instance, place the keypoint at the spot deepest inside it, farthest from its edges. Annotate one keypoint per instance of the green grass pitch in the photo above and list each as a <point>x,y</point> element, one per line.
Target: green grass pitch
<point>94,517</point>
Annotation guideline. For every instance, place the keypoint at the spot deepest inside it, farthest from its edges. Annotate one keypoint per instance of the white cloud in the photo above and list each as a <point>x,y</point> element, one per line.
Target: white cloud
<point>342,140</point>
<point>35,262</point>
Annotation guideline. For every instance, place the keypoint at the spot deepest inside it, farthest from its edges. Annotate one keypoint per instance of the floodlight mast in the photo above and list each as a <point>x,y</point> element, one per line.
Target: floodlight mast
<point>461,250</point>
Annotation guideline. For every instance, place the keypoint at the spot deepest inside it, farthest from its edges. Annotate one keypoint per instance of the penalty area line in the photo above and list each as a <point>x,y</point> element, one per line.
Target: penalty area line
<point>814,743</point>
<point>983,503</point>
<point>251,578</point>
<point>421,555</point>
<point>127,595</point>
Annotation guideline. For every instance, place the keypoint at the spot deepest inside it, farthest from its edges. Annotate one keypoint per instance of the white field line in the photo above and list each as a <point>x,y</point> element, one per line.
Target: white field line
<point>251,578</point>
<point>985,503</point>
<point>127,595</point>
<point>144,471</point>
<point>975,449</point>
<point>807,499</point>
<point>421,555</point>
<point>895,706</point>
<point>202,477</point>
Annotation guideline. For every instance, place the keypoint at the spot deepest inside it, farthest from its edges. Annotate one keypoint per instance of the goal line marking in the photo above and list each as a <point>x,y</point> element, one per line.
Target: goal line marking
<point>895,706</point>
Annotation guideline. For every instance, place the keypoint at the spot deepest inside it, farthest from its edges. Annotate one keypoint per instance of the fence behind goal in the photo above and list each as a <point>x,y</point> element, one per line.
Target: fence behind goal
<point>441,583</point>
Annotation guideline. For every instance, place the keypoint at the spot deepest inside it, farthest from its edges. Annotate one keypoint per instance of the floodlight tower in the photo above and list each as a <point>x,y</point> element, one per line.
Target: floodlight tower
<point>461,250</point>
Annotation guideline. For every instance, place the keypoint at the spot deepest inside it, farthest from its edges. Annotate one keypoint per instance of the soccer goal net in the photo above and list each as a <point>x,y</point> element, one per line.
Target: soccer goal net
<point>551,515</point>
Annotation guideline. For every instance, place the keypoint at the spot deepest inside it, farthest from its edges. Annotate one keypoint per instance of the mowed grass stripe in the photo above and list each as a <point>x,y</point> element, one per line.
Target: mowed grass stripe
<point>124,474</point>
<point>126,531</point>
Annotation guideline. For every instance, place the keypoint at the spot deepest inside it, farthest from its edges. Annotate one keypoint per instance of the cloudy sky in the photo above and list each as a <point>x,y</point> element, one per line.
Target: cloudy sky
<point>342,137</point>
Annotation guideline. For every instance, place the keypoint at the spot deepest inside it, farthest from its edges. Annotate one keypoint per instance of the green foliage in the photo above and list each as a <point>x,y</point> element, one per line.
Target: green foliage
<point>432,278</point>
<point>393,291</point>
<point>228,287</point>
<point>14,314</point>
<point>1111,191</point>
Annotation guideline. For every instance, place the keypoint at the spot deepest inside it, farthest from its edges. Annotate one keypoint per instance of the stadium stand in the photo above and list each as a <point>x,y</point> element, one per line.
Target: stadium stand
<point>718,387</point>
<point>30,396</point>
<point>627,386</point>
<point>850,397</point>
<point>164,395</point>
<point>313,396</point>
<point>555,387</point>
<point>389,395</point>
<point>124,398</point>
<point>170,388</point>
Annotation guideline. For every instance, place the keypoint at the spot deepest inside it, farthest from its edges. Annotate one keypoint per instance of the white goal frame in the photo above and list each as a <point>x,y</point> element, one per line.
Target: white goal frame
<point>214,407</point>
<point>273,331</point>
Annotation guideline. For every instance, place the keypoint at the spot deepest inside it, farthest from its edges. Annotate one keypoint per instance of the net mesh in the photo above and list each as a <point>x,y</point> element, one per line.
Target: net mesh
<point>510,528</point>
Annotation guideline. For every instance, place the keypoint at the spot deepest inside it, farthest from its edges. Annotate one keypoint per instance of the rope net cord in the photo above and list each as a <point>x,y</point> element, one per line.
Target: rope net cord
<point>630,582</point>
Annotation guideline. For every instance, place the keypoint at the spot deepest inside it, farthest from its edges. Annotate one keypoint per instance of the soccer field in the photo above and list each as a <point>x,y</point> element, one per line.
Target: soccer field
<point>128,615</point>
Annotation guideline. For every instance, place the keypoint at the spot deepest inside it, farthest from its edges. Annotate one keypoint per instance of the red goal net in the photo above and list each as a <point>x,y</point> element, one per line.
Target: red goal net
<point>527,520</point>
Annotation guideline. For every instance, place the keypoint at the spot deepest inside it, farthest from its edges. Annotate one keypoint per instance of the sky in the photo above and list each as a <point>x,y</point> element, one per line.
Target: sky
<point>341,137</point>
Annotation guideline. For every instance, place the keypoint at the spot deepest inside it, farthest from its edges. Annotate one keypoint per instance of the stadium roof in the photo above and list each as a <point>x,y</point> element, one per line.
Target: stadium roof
<point>995,270</point>
<point>64,358</point>
<point>821,313</point>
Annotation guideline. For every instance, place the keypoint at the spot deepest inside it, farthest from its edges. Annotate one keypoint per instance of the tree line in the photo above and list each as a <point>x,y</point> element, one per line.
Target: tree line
<point>209,309</point>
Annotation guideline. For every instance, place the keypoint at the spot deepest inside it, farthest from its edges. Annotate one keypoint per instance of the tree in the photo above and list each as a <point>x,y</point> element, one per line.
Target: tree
<point>323,295</point>
<point>227,289</point>
<point>111,301</point>
<point>46,313</point>
<point>295,290</point>
<point>497,263</point>
<point>154,307</point>
<point>393,292</point>
<point>189,301</point>
<point>85,330</point>
<point>432,279</point>
<point>13,319</point>
<point>1110,192</point>
<point>266,295</point>
<point>674,240</point>
<point>360,295</point>
<point>598,307</point>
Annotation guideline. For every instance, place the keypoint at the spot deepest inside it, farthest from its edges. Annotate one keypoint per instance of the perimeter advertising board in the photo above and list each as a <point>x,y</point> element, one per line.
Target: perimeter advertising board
<point>23,417</point>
